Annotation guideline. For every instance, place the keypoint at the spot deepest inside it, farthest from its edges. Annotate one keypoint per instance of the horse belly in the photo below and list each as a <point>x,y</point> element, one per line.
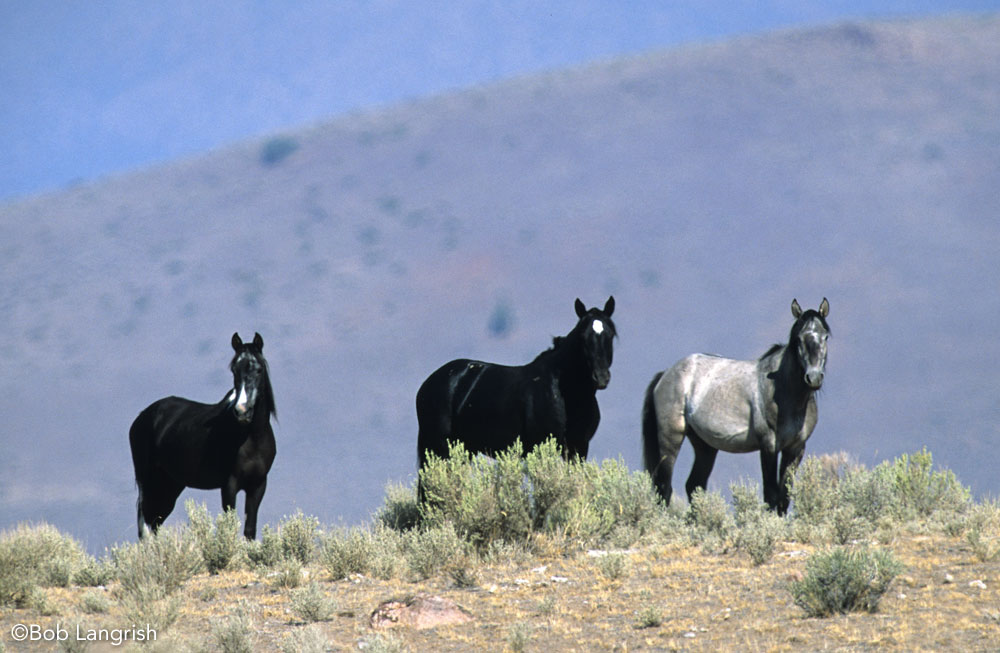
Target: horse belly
<point>721,414</point>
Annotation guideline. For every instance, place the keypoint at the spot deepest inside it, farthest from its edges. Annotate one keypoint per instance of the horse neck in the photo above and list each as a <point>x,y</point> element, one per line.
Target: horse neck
<point>789,379</point>
<point>568,365</point>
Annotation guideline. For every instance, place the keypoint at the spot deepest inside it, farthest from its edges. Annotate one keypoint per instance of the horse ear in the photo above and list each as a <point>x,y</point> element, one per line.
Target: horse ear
<point>609,306</point>
<point>824,307</point>
<point>796,309</point>
<point>581,310</point>
<point>258,342</point>
<point>237,341</point>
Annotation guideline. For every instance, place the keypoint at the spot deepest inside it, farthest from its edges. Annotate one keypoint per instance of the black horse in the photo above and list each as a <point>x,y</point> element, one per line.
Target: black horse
<point>178,443</point>
<point>487,407</point>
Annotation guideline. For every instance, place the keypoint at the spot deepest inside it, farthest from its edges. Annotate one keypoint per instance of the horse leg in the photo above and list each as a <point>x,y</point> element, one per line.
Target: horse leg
<point>157,500</point>
<point>704,460</point>
<point>790,459</point>
<point>253,498</point>
<point>427,444</point>
<point>662,436</point>
<point>769,471</point>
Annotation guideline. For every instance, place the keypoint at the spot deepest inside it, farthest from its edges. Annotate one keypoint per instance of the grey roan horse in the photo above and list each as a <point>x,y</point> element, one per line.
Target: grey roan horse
<point>739,406</point>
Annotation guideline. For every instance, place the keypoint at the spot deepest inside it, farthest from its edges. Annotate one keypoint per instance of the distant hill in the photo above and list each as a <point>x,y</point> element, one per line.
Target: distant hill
<point>704,187</point>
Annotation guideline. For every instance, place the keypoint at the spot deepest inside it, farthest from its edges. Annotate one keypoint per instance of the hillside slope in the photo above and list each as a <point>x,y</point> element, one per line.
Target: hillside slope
<point>704,187</point>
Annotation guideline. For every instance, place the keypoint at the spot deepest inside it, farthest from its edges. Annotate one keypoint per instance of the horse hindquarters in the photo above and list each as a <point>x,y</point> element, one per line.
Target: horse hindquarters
<point>140,439</point>
<point>662,431</point>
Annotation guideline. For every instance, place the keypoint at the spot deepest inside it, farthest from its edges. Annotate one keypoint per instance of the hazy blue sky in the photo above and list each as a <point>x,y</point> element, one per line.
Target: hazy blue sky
<point>96,88</point>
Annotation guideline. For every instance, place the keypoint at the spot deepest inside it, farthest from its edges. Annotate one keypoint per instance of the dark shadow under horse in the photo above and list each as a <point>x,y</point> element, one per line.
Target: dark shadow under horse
<point>178,443</point>
<point>487,407</point>
<point>739,406</point>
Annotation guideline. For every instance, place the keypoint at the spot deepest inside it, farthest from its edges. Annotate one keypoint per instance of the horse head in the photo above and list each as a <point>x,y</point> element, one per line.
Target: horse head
<point>249,377</point>
<point>597,333</point>
<point>809,335</point>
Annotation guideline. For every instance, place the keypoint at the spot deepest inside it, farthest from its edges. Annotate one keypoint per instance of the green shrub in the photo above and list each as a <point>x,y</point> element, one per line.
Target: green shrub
<point>94,573</point>
<point>710,521</point>
<point>149,572</point>
<point>94,602</point>
<point>219,542</point>
<point>400,511</point>
<point>514,497</point>
<point>157,565</point>
<point>311,604</point>
<point>384,643</point>
<point>813,491</point>
<point>553,485</point>
<point>758,530</point>
<point>346,552</point>
<point>982,530</point>
<point>287,573</point>
<point>265,552</point>
<point>622,501</point>
<point>306,640</point>
<point>359,551</point>
<point>236,633</point>
<point>298,537</point>
<point>845,580</point>
<point>614,566</point>
<point>36,556</point>
<point>649,617</point>
<point>518,636</point>
<point>436,549</point>
<point>483,500</point>
<point>923,492</point>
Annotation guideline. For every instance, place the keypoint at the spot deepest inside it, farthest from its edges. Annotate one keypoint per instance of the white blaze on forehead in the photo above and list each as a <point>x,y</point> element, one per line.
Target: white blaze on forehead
<point>598,326</point>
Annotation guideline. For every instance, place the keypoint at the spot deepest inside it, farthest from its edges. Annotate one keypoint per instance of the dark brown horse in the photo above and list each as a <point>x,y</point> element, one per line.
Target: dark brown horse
<point>487,407</point>
<point>178,443</point>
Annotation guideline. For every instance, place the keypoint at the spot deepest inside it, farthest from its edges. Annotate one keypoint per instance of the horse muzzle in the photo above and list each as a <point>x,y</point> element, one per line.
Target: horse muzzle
<point>602,379</point>
<point>814,379</point>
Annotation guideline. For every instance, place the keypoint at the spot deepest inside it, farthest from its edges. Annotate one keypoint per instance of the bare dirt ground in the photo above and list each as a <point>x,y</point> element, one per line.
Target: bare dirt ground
<point>945,600</point>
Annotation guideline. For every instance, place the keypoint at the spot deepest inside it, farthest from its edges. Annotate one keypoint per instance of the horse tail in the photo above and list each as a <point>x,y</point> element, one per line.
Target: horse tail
<point>139,438</point>
<point>651,455</point>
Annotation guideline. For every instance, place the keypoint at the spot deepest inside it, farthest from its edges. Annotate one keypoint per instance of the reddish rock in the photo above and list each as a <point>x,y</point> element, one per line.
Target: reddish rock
<point>419,611</point>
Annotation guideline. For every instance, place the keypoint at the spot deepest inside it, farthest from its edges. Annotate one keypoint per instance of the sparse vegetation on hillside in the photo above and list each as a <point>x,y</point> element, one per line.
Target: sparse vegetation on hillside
<point>529,525</point>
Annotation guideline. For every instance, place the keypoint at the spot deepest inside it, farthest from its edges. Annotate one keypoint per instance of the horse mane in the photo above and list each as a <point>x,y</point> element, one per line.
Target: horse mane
<point>775,348</point>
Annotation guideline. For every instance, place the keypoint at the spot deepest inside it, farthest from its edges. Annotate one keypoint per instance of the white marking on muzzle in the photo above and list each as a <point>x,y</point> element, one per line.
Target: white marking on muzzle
<point>598,327</point>
<point>241,402</point>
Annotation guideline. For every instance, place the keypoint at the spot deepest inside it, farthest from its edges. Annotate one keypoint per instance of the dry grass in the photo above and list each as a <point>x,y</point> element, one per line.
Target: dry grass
<point>707,602</point>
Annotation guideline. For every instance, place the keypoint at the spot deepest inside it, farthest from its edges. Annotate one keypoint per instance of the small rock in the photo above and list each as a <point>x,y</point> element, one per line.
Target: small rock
<point>901,596</point>
<point>978,583</point>
<point>522,581</point>
<point>540,570</point>
<point>420,611</point>
<point>559,579</point>
<point>690,634</point>
<point>948,578</point>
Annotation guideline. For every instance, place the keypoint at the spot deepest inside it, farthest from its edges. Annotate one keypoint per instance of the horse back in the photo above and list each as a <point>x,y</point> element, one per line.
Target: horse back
<point>485,406</point>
